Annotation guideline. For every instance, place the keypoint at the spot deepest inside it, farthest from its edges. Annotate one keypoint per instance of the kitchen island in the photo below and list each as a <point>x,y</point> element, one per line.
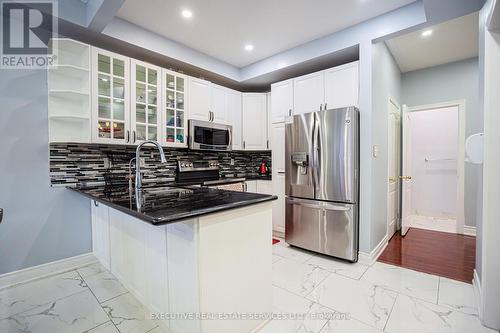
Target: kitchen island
<point>199,259</point>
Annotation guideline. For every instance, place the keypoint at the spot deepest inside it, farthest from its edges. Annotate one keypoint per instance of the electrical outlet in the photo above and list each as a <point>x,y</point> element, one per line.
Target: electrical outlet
<point>232,161</point>
<point>142,162</point>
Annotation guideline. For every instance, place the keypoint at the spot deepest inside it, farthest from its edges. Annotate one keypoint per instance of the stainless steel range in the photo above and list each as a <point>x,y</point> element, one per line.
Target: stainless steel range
<point>206,173</point>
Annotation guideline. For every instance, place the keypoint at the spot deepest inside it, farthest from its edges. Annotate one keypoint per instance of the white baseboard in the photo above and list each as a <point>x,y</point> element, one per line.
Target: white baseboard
<point>476,284</point>
<point>469,231</point>
<point>371,258</point>
<point>277,232</point>
<point>52,268</point>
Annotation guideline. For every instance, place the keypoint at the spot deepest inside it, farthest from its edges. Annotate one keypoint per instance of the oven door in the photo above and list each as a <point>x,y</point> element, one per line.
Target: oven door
<point>204,135</point>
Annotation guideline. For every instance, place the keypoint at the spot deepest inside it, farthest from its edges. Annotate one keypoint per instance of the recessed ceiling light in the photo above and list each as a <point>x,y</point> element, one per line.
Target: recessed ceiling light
<point>186,13</point>
<point>427,33</point>
<point>249,47</point>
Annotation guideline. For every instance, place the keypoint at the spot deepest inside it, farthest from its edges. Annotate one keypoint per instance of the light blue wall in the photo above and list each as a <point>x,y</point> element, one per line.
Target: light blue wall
<point>386,83</point>
<point>450,82</point>
<point>40,224</point>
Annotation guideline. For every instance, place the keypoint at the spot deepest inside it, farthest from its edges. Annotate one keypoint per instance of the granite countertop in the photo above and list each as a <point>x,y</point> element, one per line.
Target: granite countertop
<point>163,205</point>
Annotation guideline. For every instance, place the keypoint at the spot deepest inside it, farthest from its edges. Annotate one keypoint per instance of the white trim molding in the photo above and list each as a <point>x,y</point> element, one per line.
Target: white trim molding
<point>371,258</point>
<point>478,293</point>
<point>469,230</point>
<point>41,271</point>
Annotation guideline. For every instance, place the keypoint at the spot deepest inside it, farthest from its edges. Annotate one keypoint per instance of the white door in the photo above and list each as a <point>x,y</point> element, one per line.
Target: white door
<point>342,86</point>
<point>406,174</point>
<point>282,101</point>
<point>394,140</point>
<point>174,106</point>
<point>234,117</point>
<point>110,98</point>
<point>308,93</point>
<point>199,99</point>
<point>145,102</point>
<point>254,121</point>
<point>219,104</point>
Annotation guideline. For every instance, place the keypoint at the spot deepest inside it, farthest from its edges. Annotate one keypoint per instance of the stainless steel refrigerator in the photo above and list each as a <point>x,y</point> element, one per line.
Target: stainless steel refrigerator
<point>322,182</point>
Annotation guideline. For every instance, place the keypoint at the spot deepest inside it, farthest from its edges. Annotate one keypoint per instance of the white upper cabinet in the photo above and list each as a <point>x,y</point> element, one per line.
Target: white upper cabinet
<point>174,106</point>
<point>145,102</point>
<point>199,99</point>
<point>255,121</point>
<point>282,101</point>
<point>235,117</point>
<point>110,97</point>
<point>219,104</point>
<point>342,86</point>
<point>308,93</point>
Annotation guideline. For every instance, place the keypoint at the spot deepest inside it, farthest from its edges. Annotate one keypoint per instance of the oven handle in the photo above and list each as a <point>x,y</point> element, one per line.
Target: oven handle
<point>325,206</point>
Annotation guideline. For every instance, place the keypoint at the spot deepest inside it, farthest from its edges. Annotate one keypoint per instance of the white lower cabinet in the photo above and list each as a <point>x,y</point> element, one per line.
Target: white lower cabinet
<point>204,275</point>
<point>251,186</point>
<point>100,233</point>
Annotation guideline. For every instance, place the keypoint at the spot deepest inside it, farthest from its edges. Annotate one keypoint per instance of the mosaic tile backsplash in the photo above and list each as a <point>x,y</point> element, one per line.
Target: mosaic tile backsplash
<point>90,165</point>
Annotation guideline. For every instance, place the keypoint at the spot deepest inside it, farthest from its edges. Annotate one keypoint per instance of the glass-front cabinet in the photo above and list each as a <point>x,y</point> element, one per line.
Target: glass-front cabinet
<point>110,98</point>
<point>145,102</point>
<point>174,107</point>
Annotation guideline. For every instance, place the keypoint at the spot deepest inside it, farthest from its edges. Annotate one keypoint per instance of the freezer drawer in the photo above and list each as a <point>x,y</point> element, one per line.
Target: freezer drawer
<point>324,227</point>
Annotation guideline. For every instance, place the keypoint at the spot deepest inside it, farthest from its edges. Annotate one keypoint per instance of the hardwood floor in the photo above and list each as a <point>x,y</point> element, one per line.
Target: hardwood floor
<point>444,254</point>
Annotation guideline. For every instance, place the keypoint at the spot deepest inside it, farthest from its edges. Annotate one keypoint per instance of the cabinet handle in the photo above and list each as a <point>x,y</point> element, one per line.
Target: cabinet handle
<point>325,106</point>
<point>128,137</point>
<point>134,137</point>
<point>244,144</point>
<point>321,107</point>
<point>1,215</point>
<point>96,203</point>
<point>290,112</point>
<point>267,144</point>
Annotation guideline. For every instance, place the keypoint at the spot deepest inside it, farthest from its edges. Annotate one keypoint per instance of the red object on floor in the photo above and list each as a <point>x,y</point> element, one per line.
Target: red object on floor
<point>275,241</point>
<point>439,253</point>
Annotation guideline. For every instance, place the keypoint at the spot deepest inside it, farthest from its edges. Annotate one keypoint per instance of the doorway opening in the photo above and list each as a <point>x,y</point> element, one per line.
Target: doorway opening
<point>432,180</point>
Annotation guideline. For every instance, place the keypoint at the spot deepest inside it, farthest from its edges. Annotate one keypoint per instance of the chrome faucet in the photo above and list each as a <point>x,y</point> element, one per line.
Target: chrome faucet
<point>138,175</point>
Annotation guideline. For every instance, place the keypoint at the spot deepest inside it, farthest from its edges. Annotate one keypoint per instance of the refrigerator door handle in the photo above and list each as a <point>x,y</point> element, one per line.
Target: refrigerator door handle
<point>315,157</point>
<point>325,206</point>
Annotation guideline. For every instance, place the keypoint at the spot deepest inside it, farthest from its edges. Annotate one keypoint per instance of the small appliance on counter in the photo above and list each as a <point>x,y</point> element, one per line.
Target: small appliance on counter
<point>263,169</point>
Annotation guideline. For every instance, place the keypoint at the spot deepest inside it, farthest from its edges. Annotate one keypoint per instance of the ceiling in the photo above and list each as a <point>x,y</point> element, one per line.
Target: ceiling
<point>222,28</point>
<point>450,41</point>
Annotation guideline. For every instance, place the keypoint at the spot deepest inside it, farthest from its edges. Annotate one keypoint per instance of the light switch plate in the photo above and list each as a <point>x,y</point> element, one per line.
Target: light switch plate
<point>232,161</point>
<point>375,151</point>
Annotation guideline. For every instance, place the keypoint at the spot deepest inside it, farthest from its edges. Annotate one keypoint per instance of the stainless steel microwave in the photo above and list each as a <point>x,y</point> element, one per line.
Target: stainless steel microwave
<point>205,135</point>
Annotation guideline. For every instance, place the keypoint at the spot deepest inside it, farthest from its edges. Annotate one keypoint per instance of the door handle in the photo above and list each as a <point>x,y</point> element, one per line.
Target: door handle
<point>405,177</point>
<point>393,179</point>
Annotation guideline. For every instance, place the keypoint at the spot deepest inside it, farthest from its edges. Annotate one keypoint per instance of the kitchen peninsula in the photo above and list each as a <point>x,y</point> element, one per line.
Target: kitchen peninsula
<point>183,255</point>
